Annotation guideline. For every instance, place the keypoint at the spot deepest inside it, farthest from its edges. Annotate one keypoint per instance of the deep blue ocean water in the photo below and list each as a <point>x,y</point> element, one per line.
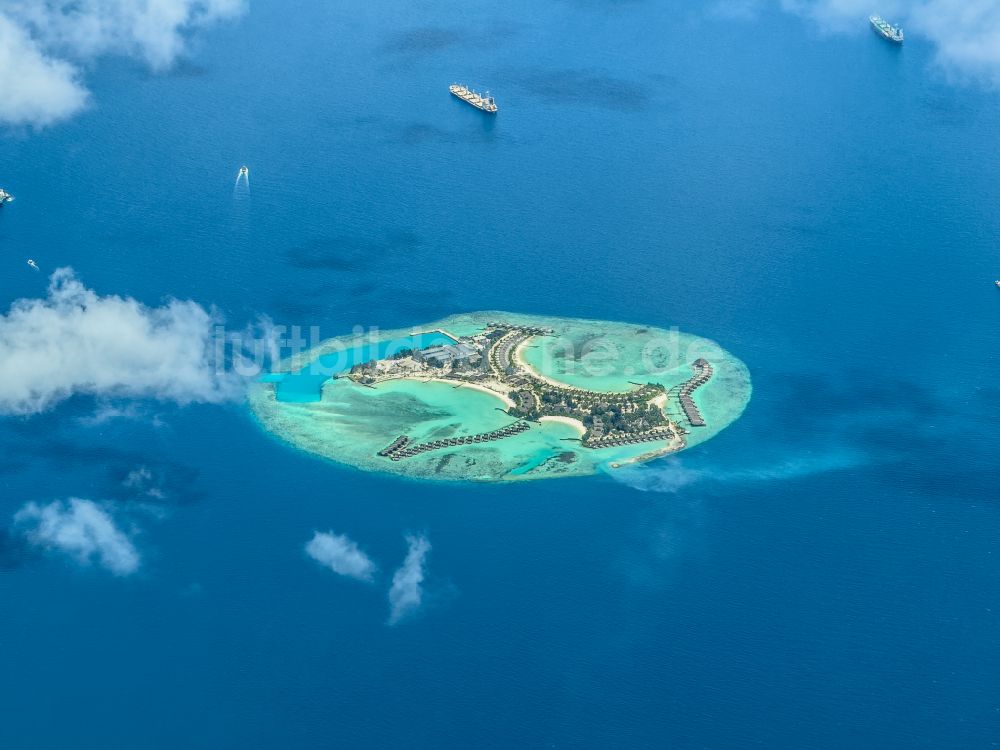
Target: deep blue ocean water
<point>824,574</point>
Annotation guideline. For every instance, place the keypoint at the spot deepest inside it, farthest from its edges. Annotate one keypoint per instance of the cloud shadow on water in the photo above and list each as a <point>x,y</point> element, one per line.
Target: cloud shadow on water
<point>420,133</point>
<point>424,40</point>
<point>586,88</point>
<point>429,40</point>
<point>152,481</point>
<point>351,254</point>
<point>15,551</point>
<point>54,439</point>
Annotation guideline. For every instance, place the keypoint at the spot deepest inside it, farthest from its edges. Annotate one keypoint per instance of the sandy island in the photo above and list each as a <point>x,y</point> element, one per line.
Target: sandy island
<point>322,432</point>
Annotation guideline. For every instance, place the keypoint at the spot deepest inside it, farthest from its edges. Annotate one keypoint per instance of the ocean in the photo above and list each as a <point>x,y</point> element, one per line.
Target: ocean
<point>822,574</point>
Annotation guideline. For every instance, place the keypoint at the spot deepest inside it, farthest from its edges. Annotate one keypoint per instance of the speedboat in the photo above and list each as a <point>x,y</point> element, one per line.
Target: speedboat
<point>244,172</point>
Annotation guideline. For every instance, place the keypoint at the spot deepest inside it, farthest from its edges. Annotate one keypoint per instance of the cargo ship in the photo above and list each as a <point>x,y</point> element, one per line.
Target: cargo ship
<point>479,101</point>
<point>5,197</point>
<point>886,30</point>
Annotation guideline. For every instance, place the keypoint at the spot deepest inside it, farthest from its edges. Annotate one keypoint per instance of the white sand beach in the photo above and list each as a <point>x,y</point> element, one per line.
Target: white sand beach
<point>576,424</point>
<point>475,386</point>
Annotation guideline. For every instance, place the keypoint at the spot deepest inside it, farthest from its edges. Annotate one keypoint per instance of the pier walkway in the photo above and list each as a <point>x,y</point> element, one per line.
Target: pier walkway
<point>613,441</point>
<point>401,447</point>
<point>702,373</point>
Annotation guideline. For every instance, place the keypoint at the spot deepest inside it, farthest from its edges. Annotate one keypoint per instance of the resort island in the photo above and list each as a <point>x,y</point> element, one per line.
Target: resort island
<point>503,397</point>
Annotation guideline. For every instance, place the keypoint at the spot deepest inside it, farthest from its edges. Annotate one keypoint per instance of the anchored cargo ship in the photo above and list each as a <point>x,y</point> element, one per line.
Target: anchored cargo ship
<point>479,101</point>
<point>885,29</point>
<point>5,197</point>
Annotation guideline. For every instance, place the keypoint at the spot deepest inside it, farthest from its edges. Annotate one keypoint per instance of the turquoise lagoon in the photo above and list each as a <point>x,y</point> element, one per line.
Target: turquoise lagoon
<point>304,384</point>
<point>304,403</point>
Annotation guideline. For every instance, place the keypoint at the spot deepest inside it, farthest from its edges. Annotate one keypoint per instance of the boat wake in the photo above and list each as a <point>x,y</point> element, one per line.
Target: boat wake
<point>242,180</point>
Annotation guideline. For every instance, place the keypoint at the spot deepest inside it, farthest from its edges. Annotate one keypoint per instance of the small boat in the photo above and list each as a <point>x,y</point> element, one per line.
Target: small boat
<point>244,172</point>
<point>479,101</point>
<point>886,30</point>
<point>33,264</point>
<point>5,197</point>
<point>997,282</point>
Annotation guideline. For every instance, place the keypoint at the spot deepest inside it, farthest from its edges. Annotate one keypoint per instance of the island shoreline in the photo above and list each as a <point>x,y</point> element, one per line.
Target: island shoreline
<point>352,429</point>
<point>576,424</point>
<point>463,384</point>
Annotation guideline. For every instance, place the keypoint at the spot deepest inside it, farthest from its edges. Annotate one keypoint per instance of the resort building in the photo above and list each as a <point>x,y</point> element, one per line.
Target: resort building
<point>438,356</point>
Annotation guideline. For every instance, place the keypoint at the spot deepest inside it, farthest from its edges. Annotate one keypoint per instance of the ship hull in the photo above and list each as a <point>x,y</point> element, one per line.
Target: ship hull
<point>473,99</point>
<point>895,38</point>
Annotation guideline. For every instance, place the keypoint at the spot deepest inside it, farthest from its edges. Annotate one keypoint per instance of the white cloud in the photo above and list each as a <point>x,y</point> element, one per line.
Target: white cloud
<point>735,9</point>
<point>34,88</point>
<point>965,33</point>
<point>105,412</point>
<point>41,44</point>
<point>341,555</point>
<point>75,341</point>
<point>407,589</point>
<point>82,530</point>
<point>142,481</point>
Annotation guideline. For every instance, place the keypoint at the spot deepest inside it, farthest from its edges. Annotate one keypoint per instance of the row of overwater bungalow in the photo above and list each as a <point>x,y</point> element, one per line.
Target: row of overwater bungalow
<point>401,447</point>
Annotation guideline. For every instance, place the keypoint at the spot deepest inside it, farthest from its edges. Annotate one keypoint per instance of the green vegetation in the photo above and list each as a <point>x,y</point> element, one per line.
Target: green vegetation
<point>594,373</point>
<point>491,358</point>
<point>602,414</point>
